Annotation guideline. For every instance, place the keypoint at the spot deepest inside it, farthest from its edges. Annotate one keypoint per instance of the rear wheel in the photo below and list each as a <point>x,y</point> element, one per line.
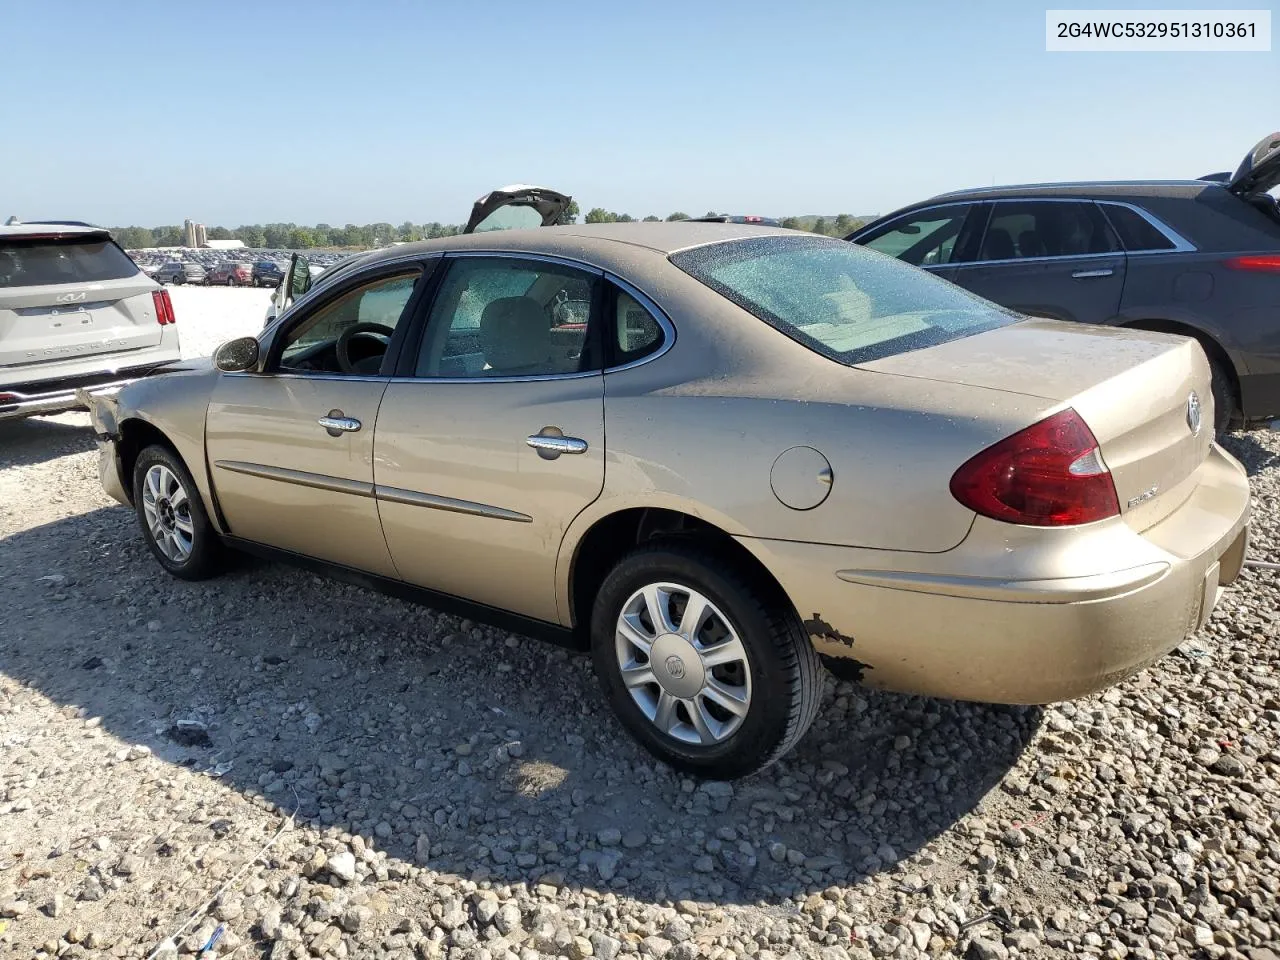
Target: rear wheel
<point>231,280</point>
<point>172,516</point>
<point>704,668</point>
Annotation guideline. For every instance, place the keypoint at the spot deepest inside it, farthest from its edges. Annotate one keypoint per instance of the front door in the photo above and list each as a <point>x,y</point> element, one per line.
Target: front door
<point>493,441</point>
<point>1048,258</point>
<point>291,447</point>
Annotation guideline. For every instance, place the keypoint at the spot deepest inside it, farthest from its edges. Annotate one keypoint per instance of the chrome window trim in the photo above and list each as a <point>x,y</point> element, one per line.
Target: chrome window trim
<point>517,255</point>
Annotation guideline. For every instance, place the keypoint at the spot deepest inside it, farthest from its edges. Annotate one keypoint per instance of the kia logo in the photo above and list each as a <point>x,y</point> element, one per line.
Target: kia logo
<point>70,298</point>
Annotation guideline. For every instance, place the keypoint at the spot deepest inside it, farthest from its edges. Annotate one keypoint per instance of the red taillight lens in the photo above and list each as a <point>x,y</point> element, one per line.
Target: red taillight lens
<point>1263,262</point>
<point>1049,475</point>
<point>164,307</point>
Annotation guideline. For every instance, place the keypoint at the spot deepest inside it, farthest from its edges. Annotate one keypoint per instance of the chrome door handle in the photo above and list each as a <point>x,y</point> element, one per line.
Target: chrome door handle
<point>337,424</point>
<point>551,447</point>
<point>1082,274</point>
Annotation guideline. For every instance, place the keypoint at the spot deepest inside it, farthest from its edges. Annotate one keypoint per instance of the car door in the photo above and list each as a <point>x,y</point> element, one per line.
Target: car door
<point>1048,258</point>
<point>491,440</point>
<point>290,447</point>
<point>933,237</point>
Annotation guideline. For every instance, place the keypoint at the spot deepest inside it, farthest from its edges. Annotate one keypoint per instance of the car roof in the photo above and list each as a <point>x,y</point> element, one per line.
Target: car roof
<point>1100,188</point>
<point>44,229</point>
<point>664,238</point>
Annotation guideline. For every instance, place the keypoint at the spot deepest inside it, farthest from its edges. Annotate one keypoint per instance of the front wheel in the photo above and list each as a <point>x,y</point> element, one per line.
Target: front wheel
<point>231,281</point>
<point>707,670</point>
<point>172,516</point>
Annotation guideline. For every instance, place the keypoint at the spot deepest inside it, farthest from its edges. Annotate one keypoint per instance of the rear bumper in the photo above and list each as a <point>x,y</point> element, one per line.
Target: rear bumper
<point>65,394</point>
<point>950,628</point>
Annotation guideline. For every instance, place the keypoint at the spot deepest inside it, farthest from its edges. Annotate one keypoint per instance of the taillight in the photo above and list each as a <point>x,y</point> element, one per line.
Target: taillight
<point>1049,475</point>
<point>1263,262</point>
<point>164,307</point>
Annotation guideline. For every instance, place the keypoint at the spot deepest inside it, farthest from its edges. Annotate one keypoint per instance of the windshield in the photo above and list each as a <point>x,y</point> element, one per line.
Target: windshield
<point>841,300</point>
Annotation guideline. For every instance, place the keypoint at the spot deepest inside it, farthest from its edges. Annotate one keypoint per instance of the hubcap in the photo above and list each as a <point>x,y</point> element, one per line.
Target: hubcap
<point>168,512</point>
<point>683,663</point>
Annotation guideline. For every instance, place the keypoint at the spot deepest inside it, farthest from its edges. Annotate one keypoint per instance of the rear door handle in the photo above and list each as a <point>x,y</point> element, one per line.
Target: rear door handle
<point>550,447</point>
<point>1082,274</point>
<point>336,424</point>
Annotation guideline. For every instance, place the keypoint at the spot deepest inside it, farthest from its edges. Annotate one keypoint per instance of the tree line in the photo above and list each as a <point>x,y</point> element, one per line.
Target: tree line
<point>292,236</point>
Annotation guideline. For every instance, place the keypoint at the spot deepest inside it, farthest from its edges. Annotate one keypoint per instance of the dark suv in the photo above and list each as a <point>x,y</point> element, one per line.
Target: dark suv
<point>1195,257</point>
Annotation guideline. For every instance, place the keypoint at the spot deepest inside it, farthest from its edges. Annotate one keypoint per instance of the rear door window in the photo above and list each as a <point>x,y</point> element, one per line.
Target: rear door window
<point>1022,229</point>
<point>923,238</point>
<point>44,262</point>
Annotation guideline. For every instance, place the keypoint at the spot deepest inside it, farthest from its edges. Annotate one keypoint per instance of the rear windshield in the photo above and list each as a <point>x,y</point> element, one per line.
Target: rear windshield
<point>842,300</point>
<point>38,263</point>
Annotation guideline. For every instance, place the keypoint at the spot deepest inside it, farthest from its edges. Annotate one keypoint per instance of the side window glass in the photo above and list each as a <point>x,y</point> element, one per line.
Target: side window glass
<point>497,317</point>
<point>349,334</point>
<point>1135,232</point>
<point>1027,228</point>
<point>634,331</point>
<point>924,238</point>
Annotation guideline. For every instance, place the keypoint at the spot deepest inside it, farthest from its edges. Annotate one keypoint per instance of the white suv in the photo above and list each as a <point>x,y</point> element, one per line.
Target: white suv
<point>75,311</point>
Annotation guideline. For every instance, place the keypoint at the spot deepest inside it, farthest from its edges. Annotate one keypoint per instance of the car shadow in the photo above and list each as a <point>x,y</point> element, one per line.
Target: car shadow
<point>39,439</point>
<point>1245,447</point>
<point>393,721</point>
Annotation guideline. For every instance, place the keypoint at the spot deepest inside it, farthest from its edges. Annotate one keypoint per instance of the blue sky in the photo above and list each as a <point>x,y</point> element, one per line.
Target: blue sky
<point>334,112</point>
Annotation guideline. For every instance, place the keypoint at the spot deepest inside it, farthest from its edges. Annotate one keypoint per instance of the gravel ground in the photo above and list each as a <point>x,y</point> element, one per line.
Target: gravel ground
<point>463,792</point>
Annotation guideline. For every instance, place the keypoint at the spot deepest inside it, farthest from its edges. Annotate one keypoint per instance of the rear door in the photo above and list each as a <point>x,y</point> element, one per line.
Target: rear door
<point>935,238</point>
<point>491,440</point>
<point>65,296</point>
<point>1047,258</point>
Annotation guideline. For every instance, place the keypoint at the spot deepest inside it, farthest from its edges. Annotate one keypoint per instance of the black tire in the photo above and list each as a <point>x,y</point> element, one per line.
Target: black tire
<point>206,554</point>
<point>786,673</point>
<point>1224,399</point>
<point>231,280</point>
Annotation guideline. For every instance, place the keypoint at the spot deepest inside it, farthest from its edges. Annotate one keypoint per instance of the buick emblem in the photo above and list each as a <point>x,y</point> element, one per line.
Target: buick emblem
<point>675,668</point>
<point>1193,414</point>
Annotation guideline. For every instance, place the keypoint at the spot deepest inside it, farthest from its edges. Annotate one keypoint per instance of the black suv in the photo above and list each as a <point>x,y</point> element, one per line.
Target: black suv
<point>1195,257</point>
<point>267,273</point>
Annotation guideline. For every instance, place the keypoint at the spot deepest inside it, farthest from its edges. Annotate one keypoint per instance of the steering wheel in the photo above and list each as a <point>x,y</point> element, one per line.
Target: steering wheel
<point>343,347</point>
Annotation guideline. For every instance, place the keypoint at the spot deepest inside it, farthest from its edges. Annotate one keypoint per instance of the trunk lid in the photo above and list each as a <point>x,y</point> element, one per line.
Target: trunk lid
<point>66,296</point>
<point>1145,396</point>
<point>1259,171</point>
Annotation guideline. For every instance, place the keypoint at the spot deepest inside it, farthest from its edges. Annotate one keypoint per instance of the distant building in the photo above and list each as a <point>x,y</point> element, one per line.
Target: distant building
<point>193,234</point>
<point>222,244</point>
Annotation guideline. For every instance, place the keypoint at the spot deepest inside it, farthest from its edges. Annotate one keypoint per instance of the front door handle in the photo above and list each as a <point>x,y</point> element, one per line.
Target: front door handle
<point>336,423</point>
<point>551,445</point>
<point>1082,274</point>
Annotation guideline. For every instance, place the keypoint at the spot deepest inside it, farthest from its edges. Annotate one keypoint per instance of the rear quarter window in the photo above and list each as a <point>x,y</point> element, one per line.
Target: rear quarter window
<point>1136,234</point>
<point>43,262</point>
<point>841,300</point>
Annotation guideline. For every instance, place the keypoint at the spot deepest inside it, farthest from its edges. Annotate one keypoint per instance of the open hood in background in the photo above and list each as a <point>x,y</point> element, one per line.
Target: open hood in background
<point>496,210</point>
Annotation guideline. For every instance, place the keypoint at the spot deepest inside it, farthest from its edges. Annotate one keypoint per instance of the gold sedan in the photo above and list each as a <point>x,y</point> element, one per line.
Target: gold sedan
<point>717,454</point>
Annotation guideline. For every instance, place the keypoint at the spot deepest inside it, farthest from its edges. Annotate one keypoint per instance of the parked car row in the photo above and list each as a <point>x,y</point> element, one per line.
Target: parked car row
<point>815,454</point>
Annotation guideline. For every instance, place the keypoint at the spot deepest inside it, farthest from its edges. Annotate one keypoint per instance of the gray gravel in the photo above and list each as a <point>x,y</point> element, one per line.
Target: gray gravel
<point>462,791</point>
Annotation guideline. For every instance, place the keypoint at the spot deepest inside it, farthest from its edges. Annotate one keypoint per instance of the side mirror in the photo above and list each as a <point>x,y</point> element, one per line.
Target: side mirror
<point>237,355</point>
